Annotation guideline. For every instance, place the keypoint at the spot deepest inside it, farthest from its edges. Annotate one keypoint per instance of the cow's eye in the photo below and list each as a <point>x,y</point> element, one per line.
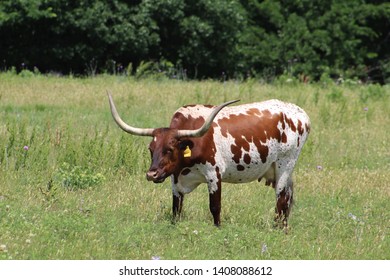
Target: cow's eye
<point>168,151</point>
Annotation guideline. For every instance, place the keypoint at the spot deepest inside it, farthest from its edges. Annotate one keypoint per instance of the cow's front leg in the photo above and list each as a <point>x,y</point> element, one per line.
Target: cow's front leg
<point>215,203</point>
<point>177,205</point>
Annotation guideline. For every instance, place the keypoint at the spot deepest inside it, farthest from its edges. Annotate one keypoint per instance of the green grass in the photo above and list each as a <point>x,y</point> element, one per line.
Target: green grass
<point>79,191</point>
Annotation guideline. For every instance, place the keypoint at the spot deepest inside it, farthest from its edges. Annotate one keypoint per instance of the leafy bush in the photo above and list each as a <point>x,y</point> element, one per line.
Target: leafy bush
<point>77,177</point>
<point>346,38</point>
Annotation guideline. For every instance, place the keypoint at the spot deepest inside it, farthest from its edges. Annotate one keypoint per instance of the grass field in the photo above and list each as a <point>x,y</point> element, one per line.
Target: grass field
<point>72,184</point>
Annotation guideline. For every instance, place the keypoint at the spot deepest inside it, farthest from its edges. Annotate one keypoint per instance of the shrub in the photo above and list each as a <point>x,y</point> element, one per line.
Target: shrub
<point>77,177</point>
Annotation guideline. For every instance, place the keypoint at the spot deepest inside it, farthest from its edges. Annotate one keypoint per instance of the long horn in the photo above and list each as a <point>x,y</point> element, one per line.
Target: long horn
<point>125,126</point>
<point>202,130</point>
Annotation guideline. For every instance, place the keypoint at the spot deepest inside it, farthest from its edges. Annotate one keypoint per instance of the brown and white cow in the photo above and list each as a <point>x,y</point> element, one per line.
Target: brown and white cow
<point>237,144</point>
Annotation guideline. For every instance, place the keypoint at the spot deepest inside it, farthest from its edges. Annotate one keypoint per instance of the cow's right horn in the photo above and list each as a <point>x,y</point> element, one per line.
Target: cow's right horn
<point>205,127</point>
<point>125,126</point>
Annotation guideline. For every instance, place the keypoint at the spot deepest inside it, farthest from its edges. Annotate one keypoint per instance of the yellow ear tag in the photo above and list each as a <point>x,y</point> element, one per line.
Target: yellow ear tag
<point>187,152</point>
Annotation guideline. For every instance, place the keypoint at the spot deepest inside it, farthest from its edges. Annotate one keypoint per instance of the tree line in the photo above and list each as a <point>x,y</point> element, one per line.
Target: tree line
<point>198,39</point>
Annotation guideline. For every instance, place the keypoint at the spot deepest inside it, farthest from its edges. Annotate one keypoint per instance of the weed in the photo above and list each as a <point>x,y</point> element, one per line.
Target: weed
<point>49,193</point>
<point>77,177</point>
<point>374,92</point>
<point>336,95</point>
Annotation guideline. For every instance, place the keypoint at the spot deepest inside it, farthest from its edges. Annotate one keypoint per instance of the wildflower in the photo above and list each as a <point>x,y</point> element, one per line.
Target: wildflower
<point>319,167</point>
<point>352,216</point>
<point>3,248</point>
<point>155,258</point>
<point>195,232</point>
<point>26,148</point>
<point>264,248</point>
<point>365,109</point>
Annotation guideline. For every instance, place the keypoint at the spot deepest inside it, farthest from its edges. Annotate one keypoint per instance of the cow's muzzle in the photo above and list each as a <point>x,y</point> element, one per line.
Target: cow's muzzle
<point>155,176</point>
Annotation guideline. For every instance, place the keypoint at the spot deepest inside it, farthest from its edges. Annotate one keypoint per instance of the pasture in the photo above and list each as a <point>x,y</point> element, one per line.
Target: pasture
<point>72,184</point>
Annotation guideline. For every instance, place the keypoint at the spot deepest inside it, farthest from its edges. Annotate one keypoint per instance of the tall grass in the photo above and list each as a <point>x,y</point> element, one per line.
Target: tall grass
<point>72,185</point>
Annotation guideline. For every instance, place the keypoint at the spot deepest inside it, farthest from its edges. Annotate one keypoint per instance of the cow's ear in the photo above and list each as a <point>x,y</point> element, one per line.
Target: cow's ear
<point>186,143</point>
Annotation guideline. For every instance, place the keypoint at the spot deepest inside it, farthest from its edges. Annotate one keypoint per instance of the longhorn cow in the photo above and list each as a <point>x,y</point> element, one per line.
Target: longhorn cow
<point>237,144</point>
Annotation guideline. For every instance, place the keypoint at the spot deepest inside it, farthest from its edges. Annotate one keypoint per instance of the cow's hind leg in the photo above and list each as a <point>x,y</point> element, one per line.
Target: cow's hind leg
<point>177,205</point>
<point>284,197</point>
<point>284,201</point>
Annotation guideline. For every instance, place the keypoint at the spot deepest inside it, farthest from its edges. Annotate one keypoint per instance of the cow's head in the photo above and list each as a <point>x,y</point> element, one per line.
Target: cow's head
<point>168,147</point>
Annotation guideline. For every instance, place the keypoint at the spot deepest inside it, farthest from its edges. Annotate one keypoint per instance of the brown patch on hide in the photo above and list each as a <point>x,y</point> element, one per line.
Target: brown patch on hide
<point>253,127</point>
<point>247,158</point>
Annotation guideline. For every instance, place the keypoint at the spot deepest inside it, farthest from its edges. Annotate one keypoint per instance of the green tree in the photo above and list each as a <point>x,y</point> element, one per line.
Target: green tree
<point>59,35</point>
<point>310,37</point>
<point>71,36</point>
<point>198,36</point>
<point>203,38</point>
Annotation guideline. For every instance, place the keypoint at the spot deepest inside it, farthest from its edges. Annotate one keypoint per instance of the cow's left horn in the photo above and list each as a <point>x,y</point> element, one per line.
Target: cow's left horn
<point>125,126</point>
<point>202,130</point>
